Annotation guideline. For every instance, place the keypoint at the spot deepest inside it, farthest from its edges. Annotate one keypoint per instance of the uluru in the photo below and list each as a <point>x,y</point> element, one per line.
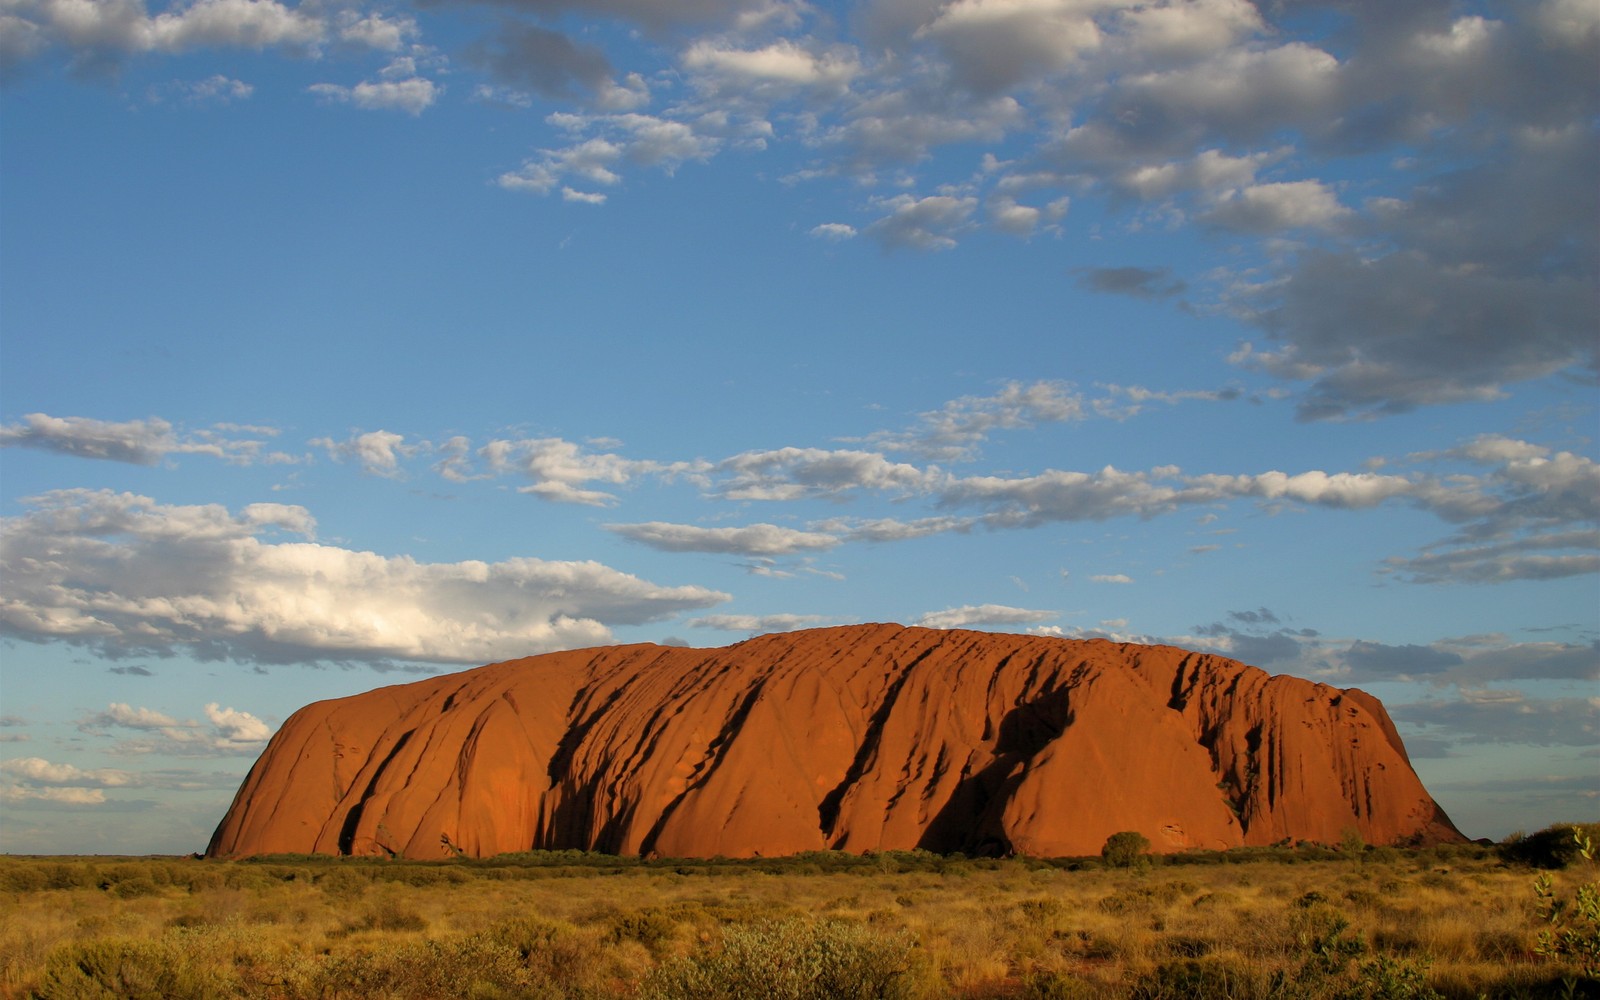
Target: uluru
<point>854,738</point>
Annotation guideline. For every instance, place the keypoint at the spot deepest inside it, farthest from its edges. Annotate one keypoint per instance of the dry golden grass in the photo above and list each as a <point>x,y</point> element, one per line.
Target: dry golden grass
<point>1460,923</point>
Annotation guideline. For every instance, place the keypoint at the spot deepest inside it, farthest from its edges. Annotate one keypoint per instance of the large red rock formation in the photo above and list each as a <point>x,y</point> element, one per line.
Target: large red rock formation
<point>859,738</point>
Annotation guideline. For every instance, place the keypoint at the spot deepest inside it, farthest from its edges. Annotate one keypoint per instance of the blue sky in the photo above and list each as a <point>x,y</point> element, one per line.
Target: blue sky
<point>345,342</point>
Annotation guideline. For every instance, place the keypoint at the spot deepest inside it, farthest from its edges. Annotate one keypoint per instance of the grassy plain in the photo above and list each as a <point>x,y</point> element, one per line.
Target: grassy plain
<point>1306,924</point>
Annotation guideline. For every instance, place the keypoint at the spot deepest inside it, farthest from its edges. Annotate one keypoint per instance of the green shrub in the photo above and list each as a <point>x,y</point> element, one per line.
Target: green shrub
<point>794,960</point>
<point>1554,847</point>
<point>551,949</point>
<point>1386,978</point>
<point>1319,935</point>
<point>135,887</point>
<point>1573,934</point>
<point>203,880</point>
<point>1126,849</point>
<point>651,927</point>
<point>106,968</point>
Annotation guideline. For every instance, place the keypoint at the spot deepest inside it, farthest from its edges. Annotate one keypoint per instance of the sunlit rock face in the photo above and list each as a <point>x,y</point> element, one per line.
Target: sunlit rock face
<point>867,737</point>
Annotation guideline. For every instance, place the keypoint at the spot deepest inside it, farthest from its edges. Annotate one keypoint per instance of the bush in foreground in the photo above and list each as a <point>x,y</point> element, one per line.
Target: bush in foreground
<point>794,960</point>
<point>206,963</point>
<point>1555,847</point>
<point>1574,924</point>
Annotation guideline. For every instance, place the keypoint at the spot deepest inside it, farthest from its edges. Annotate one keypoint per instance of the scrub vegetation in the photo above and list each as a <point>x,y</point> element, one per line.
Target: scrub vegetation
<point>1304,923</point>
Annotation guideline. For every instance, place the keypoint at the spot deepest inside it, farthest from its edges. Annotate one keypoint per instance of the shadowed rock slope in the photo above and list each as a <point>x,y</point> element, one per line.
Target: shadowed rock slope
<point>868,737</point>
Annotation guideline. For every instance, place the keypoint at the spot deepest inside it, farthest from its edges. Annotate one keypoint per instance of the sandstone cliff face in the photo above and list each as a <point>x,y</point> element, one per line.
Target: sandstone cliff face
<point>869,737</point>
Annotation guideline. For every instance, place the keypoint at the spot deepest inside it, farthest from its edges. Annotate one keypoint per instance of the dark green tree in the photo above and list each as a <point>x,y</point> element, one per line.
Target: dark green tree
<point>1126,849</point>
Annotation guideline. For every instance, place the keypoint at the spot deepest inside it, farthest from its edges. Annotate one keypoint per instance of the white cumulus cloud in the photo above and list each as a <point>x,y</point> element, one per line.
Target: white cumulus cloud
<point>37,770</point>
<point>1268,208</point>
<point>228,732</point>
<point>413,95</point>
<point>377,452</point>
<point>234,726</point>
<point>836,232</point>
<point>124,573</point>
<point>931,223</point>
<point>782,66</point>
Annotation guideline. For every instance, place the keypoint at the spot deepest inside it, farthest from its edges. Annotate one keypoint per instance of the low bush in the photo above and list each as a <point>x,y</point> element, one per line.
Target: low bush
<point>1213,977</point>
<point>1552,848</point>
<point>19,876</point>
<point>652,928</point>
<point>552,950</point>
<point>1053,985</point>
<point>1573,931</point>
<point>1143,898</point>
<point>389,914</point>
<point>794,960</point>
<point>1323,942</point>
<point>472,968</point>
<point>182,964</point>
<point>1385,978</point>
